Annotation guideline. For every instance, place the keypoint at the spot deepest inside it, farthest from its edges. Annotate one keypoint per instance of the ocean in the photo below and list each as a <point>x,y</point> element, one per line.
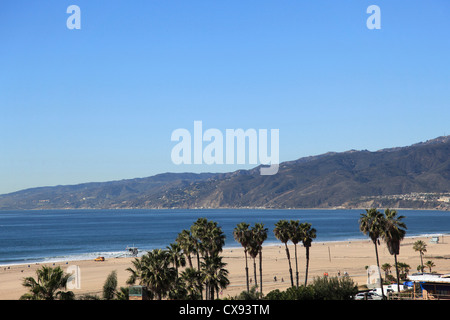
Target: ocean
<point>67,235</point>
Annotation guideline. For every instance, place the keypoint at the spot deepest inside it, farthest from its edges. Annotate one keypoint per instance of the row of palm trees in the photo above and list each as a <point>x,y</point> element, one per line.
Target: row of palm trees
<point>296,232</point>
<point>252,239</point>
<point>158,269</point>
<point>389,227</point>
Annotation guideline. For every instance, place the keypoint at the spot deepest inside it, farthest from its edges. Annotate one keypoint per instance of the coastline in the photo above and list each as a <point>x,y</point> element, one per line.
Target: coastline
<point>225,208</point>
<point>88,256</point>
<point>332,257</point>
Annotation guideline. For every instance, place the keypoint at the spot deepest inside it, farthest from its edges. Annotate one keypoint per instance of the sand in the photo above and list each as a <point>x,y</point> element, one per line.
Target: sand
<point>333,258</point>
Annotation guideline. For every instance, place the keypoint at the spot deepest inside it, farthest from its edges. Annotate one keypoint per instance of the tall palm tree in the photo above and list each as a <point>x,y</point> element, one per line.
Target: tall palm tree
<point>215,275</point>
<point>308,234</point>
<point>210,237</point>
<point>371,223</point>
<point>259,235</point>
<point>421,247</point>
<point>198,230</point>
<point>281,232</point>
<point>393,233</point>
<point>210,240</point>
<point>214,239</point>
<point>48,285</point>
<point>243,235</point>
<point>253,250</point>
<point>295,235</point>
<point>187,244</point>
<point>176,256</point>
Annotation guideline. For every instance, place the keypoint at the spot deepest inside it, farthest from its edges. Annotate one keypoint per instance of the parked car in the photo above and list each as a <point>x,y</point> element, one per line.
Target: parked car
<point>368,296</point>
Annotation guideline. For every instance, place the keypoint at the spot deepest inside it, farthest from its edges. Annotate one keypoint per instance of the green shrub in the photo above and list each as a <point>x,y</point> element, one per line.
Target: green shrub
<point>334,288</point>
<point>322,288</point>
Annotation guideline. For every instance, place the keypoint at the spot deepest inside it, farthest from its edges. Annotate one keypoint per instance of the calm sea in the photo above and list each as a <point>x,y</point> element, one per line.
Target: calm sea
<point>64,235</point>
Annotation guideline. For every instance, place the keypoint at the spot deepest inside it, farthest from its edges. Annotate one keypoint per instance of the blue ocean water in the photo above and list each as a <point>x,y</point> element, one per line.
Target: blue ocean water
<point>64,235</point>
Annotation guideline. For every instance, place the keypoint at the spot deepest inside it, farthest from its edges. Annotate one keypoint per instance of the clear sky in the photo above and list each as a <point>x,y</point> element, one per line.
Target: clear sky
<point>100,103</point>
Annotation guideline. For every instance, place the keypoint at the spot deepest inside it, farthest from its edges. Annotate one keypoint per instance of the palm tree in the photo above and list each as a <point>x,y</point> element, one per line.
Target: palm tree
<point>281,232</point>
<point>253,250</point>
<point>430,264</point>
<point>421,247</point>
<point>403,269</point>
<point>209,242</point>
<point>386,267</point>
<point>136,272</point>
<point>214,275</point>
<point>308,234</point>
<point>153,270</point>
<point>193,282</point>
<point>123,293</point>
<point>372,223</point>
<point>178,290</point>
<point>214,239</point>
<point>210,237</point>
<point>295,235</point>
<point>393,233</point>
<point>48,285</point>
<point>176,256</point>
<point>243,235</point>
<point>198,230</point>
<point>259,234</point>
<point>187,244</point>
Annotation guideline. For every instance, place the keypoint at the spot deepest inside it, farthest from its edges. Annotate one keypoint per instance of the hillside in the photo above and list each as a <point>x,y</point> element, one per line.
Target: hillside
<point>416,176</point>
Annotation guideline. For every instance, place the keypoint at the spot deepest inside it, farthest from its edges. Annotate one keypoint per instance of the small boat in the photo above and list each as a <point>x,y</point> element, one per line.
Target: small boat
<point>99,259</point>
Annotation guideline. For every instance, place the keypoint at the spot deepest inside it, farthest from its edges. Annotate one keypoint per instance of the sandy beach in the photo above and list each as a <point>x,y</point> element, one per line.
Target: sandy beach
<point>325,257</point>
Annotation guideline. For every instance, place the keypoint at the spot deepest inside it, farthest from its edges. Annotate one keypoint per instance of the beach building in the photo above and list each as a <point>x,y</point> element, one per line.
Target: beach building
<point>138,293</point>
<point>434,286</point>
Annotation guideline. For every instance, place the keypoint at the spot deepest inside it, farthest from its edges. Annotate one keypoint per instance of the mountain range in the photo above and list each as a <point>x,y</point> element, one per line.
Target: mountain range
<point>416,176</point>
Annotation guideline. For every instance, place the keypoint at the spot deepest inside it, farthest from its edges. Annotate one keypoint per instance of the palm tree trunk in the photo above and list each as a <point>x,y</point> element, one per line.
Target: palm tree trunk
<point>246,271</point>
<point>189,260</point>
<point>289,260</point>
<point>212,292</point>
<point>307,265</point>
<point>198,261</point>
<point>260,272</point>
<point>175,264</point>
<point>296,264</point>
<point>398,277</point>
<point>378,265</point>
<point>421,261</point>
<point>254,270</point>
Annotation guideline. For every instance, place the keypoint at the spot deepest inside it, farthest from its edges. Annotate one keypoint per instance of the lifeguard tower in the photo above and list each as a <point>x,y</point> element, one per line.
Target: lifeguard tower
<point>434,239</point>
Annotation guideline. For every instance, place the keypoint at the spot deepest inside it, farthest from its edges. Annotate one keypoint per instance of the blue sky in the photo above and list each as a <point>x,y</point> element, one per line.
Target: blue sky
<point>100,103</point>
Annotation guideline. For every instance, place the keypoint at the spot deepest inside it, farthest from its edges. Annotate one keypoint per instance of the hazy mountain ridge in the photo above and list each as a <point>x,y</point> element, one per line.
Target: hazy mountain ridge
<point>334,179</point>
